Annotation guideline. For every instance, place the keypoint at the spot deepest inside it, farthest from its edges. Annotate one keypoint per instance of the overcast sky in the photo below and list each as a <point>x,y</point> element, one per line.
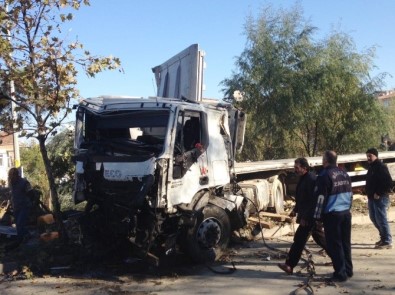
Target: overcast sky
<point>145,33</point>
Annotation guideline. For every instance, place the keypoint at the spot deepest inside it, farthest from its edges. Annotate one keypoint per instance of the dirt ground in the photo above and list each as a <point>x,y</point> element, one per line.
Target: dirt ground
<point>248,268</point>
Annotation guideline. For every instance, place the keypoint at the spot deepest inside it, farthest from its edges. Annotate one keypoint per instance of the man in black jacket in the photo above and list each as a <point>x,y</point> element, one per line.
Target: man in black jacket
<point>304,208</point>
<point>378,186</point>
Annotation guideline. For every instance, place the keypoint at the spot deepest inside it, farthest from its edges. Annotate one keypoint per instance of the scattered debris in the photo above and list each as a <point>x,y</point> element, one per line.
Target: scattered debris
<point>277,217</point>
<point>4,205</point>
<point>265,257</point>
<point>263,223</point>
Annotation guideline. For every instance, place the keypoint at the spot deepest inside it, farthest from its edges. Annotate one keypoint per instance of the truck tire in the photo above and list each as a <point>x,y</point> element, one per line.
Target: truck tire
<point>210,235</point>
<point>277,192</point>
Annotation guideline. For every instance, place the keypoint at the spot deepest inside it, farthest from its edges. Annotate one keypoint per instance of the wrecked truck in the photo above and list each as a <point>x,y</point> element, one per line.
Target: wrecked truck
<point>159,172</point>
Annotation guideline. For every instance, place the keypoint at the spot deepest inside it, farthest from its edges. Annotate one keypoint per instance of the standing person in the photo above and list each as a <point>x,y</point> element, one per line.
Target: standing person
<point>378,185</point>
<point>333,207</point>
<point>304,208</point>
<point>20,201</point>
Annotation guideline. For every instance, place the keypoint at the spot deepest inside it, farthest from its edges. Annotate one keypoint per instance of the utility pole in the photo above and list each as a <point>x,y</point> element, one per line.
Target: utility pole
<point>17,158</point>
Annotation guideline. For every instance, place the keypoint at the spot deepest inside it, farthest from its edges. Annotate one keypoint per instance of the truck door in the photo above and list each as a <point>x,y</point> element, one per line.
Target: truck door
<point>189,172</point>
<point>189,142</point>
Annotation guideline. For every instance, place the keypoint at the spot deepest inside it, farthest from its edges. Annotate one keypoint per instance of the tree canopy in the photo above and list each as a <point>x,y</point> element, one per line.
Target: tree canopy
<point>304,96</point>
<point>41,64</point>
<point>38,69</point>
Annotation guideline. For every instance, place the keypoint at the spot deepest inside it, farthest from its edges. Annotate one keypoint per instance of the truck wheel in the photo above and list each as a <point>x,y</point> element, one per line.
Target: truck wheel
<point>278,196</point>
<point>210,235</point>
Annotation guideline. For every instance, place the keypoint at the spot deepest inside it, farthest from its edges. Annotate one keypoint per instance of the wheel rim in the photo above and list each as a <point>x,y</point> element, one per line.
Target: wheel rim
<point>209,233</point>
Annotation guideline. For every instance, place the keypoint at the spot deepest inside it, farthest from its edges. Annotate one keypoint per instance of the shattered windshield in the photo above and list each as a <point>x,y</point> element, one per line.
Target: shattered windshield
<point>122,132</point>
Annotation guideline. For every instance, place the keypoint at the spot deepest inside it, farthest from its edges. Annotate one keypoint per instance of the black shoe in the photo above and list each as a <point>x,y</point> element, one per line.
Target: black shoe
<point>338,279</point>
<point>384,245</point>
<point>378,243</point>
<point>286,268</point>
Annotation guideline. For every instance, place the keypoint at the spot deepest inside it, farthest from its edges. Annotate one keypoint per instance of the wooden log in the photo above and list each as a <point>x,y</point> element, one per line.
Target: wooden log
<point>45,219</point>
<point>275,216</point>
<point>263,223</point>
<point>46,237</point>
<point>3,208</point>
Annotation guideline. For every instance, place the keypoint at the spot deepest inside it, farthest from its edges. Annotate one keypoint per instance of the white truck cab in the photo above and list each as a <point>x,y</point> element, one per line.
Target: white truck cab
<point>140,160</point>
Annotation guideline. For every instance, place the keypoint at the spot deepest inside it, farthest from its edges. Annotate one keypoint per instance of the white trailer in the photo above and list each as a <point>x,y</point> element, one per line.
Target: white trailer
<point>281,181</point>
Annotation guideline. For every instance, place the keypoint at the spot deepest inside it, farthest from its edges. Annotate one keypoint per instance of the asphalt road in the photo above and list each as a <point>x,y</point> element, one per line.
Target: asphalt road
<point>256,272</point>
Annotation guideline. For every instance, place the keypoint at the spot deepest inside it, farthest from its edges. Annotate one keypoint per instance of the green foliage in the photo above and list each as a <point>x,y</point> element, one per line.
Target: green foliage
<point>353,118</point>
<point>42,64</point>
<point>33,168</point>
<point>60,150</point>
<point>389,134</point>
<point>303,96</point>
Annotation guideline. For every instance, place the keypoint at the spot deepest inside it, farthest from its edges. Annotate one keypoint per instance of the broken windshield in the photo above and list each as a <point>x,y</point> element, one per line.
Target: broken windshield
<point>126,132</point>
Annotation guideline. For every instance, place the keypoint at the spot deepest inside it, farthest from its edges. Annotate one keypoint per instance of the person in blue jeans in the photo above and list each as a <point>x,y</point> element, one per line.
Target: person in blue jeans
<point>378,187</point>
<point>20,201</point>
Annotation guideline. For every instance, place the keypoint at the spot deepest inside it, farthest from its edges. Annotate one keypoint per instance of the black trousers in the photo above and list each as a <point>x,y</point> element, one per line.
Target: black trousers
<point>337,227</point>
<point>302,234</point>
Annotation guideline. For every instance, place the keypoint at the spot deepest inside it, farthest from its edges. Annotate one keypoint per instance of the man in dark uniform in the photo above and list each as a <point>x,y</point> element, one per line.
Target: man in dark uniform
<point>304,208</point>
<point>378,186</point>
<point>333,207</point>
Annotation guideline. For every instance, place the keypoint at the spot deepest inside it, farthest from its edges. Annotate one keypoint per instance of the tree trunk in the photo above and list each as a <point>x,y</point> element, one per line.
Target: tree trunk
<point>52,187</point>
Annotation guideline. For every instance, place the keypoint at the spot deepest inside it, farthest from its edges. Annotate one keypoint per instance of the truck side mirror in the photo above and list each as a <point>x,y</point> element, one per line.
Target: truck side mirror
<point>240,130</point>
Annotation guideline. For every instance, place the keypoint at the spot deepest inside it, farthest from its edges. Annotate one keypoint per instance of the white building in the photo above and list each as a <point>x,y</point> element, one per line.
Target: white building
<point>6,156</point>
